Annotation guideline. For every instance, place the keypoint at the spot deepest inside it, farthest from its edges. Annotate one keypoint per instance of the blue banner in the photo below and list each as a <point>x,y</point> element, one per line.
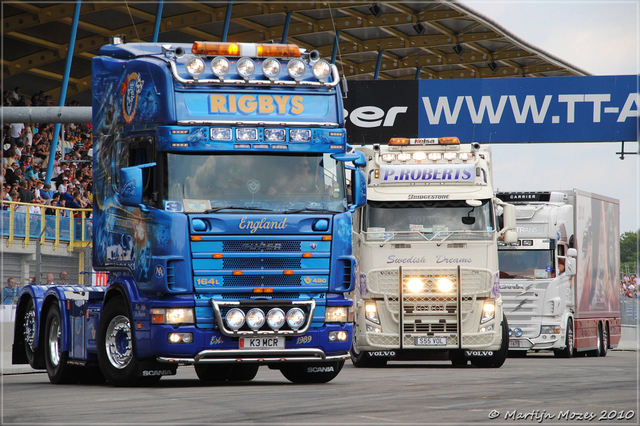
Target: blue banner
<point>556,109</point>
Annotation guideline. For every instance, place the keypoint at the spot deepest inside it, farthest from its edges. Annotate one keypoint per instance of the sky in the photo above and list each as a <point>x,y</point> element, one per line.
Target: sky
<point>601,38</point>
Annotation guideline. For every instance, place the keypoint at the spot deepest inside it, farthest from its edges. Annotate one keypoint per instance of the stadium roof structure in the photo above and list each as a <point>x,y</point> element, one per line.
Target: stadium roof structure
<point>383,40</point>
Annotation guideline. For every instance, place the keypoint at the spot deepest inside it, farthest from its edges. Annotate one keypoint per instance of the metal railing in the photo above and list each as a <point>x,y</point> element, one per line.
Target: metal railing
<point>629,310</point>
<point>71,226</point>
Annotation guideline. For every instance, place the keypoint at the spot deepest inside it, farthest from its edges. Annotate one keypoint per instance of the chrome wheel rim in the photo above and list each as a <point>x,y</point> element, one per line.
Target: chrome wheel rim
<point>29,325</point>
<point>54,342</point>
<point>118,342</point>
<point>570,338</point>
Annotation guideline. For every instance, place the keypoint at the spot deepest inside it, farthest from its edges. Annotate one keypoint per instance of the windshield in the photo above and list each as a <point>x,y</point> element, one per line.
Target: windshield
<point>525,263</point>
<point>264,182</point>
<point>424,220</point>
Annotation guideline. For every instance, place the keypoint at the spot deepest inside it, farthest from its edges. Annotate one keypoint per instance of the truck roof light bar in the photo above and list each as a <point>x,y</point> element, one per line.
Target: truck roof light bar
<point>246,49</point>
<point>449,140</point>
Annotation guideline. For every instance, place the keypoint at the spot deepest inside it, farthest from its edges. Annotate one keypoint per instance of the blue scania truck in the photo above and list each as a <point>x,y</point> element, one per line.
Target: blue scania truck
<point>224,189</point>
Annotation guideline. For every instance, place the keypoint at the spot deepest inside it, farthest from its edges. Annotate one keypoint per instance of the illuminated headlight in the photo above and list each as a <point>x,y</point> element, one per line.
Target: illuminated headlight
<point>274,135</point>
<point>549,329</point>
<point>465,156</point>
<point>220,134</point>
<point>220,66</point>
<point>271,68</point>
<point>246,67</point>
<point>321,70</point>
<point>255,318</point>
<point>488,312</point>
<point>337,314</point>
<point>419,156</point>
<point>404,156</point>
<point>435,156</point>
<point>195,67</point>
<point>388,157</point>
<point>172,316</point>
<point>517,332</point>
<point>450,155</point>
<point>180,338</point>
<point>415,285</point>
<point>371,312</point>
<point>295,318</point>
<point>275,318</point>
<point>444,285</point>
<point>296,69</point>
<point>372,329</point>
<point>300,135</point>
<point>234,319</point>
<point>487,328</point>
<point>247,134</point>
<point>338,336</point>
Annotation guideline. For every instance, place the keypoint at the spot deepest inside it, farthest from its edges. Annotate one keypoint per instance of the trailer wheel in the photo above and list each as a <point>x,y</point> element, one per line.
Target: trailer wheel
<point>312,372</point>
<point>567,352</point>
<point>597,351</point>
<point>115,347</point>
<point>604,341</point>
<point>29,332</point>
<point>363,359</point>
<point>500,355</point>
<point>58,370</point>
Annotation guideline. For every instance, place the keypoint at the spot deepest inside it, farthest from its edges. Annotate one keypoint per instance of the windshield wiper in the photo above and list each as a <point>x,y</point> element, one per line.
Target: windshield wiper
<point>309,209</point>
<point>215,209</point>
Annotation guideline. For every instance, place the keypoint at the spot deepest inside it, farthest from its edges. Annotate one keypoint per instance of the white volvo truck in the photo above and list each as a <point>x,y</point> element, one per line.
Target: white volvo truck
<point>427,250</point>
<point>559,282</point>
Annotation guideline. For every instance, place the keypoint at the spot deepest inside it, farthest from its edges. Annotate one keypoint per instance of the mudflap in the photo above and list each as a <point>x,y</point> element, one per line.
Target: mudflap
<point>478,354</point>
<point>152,368</point>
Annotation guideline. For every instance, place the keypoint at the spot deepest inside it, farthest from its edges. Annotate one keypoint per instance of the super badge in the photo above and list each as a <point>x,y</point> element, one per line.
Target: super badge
<point>130,90</point>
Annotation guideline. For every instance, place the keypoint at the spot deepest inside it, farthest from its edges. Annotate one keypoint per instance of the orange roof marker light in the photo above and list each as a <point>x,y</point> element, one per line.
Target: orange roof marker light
<point>398,142</point>
<point>451,140</point>
<point>245,49</point>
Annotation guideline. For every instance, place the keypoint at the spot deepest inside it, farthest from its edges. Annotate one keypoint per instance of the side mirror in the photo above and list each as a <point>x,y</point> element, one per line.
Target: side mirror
<point>510,237</point>
<point>570,265</point>
<point>355,157</point>
<point>509,216</point>
<point>131,183</point>
<point>359,188</point>
<point>572,252</point>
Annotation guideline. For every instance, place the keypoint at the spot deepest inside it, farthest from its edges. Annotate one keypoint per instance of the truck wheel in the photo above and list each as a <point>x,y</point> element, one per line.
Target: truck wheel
<point>597,350</point>
<point>29,330</point>
<point>312,372</point>
<point>115,347</point>
<point>363,359</point>
<point>567,352</point>
<point>500,355</point>
<point>58,370</point>
<point>604,341</point>
<point>213,372</point>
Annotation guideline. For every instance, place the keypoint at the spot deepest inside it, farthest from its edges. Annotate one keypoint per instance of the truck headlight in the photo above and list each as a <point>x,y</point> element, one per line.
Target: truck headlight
<point>415,285</point>
<point>371,312</point>
<point>234,319</point>
<point>337,314</point>
<point>295,318</point>
<point>549,329</point>
<point>444,285</point>
<point>172,316</point>
<point>488,312</point>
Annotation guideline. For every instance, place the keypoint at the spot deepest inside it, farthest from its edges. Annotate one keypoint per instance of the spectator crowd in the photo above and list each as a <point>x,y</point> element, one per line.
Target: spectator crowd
<point>26,154</point>
<point>630,286</point>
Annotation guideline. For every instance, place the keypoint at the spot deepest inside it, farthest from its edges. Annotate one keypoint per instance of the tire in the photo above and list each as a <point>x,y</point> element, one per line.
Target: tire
<point>499,357</point>
<point>597,350</point>
<point>58,370</point>
<point>116,355</point>
<point>29,332</point>
<point>604,341</point>
<point>568,350</point>
<point>363,359</point>
<point>312,372</point>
